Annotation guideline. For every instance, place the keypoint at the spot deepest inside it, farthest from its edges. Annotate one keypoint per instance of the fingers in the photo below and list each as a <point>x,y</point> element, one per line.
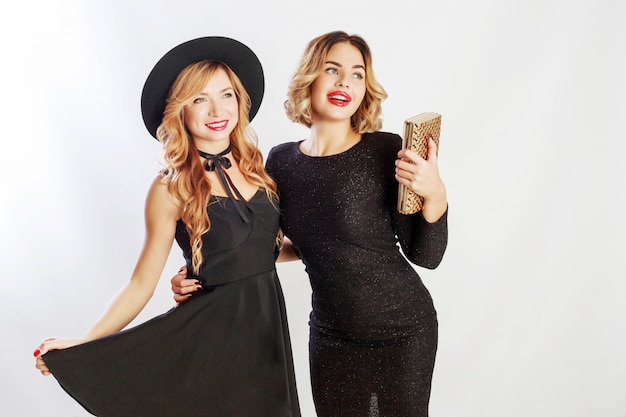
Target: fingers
<point>408,180</point>
<point>52,343</point>
<point>185,286</point>
<point>181,285</point>
<point>409,166</point>
<point>179,277</point>
<point>45,346</point>
<point>418,174</point>
<point>180,298</point>
<point>409,156</point>
<point>41,366</point>
<point>432,149</point>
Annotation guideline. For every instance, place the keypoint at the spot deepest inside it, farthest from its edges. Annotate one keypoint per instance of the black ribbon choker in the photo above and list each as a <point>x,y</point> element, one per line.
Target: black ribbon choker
<point>220,164</point>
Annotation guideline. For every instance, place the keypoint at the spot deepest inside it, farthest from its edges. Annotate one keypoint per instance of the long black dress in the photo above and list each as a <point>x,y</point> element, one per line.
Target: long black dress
<point>225,352</point>
<point>373,326</point>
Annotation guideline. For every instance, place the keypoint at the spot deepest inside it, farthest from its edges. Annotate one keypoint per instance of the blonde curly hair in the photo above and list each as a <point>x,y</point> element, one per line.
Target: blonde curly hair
<point>298,104</point>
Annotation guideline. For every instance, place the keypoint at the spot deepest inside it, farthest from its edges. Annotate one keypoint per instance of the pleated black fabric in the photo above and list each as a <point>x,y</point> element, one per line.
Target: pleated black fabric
<point>226,352</point>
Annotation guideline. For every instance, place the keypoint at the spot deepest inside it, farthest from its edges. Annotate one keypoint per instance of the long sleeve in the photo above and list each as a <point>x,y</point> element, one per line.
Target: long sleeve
<point>423,243</point>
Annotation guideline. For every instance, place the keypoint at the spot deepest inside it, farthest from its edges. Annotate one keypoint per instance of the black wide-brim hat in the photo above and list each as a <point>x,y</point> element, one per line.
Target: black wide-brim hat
<point>239,58</point>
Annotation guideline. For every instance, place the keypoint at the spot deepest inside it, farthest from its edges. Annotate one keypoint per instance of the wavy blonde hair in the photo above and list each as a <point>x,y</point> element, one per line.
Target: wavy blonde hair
<point>184,172</point>
<point>298,104</point>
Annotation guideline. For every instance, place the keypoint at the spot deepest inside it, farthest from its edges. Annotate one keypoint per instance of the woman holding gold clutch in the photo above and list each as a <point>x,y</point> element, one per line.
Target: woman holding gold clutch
<point>373,326</point>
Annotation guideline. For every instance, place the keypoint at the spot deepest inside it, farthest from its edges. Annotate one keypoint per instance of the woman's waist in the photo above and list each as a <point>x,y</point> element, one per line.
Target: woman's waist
<point>366,284</point>
<point>375,306</point>
<point>373,301</point>
<point>212,277</point>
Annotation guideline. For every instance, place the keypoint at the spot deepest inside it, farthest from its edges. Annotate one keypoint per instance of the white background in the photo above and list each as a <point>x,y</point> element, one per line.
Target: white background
<point>531,291</point>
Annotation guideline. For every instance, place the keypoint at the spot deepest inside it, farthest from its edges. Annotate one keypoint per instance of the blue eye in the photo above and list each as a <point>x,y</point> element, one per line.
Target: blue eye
<point>199,100</point>
<point>358,76</point>
<point>332,71</point>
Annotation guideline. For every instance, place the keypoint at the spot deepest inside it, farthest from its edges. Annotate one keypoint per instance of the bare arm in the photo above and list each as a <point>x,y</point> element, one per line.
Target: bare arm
<point>161,214</point>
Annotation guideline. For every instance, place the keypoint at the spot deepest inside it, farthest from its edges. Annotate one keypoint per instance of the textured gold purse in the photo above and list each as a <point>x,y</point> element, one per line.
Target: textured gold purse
<point>417,129</point>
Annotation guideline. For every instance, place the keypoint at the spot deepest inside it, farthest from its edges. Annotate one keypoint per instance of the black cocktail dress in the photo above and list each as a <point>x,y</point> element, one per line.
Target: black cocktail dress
<point>224,353</point>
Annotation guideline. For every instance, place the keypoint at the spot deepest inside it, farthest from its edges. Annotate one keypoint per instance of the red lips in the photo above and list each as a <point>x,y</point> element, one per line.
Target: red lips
<point>339,98</point>
<point>218,126</point>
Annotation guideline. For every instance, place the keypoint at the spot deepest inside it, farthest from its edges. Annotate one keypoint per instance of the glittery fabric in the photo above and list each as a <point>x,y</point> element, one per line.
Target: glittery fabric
<point>373,326</point>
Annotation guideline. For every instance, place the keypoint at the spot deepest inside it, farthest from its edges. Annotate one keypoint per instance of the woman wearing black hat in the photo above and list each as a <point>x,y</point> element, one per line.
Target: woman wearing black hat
<point>227,351</point>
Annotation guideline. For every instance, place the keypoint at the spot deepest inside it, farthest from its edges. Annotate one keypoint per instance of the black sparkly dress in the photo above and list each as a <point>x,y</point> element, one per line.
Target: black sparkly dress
<point>224,353</point>
<point>373,326</point>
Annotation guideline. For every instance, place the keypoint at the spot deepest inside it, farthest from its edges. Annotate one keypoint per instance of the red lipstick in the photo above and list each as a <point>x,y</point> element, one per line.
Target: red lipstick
<point>339,98</point>
<point>218,126</point>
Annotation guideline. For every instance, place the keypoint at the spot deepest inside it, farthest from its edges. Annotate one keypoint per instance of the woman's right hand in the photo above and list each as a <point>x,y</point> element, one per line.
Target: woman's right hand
<point>183,287</point>
<point>52,343</point>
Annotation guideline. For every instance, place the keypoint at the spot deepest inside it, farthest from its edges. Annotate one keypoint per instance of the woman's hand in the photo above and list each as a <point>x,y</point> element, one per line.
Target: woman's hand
<point>52,343</point>
<point>183,287</point>
<point>422,177</point>
<point>288,252</point>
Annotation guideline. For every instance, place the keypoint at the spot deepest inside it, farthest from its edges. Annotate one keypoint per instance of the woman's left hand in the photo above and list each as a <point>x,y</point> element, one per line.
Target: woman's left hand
<point>422,177</point>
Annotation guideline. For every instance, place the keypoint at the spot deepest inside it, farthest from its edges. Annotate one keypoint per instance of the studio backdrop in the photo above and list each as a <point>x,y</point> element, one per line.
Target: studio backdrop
<point>530,293</point>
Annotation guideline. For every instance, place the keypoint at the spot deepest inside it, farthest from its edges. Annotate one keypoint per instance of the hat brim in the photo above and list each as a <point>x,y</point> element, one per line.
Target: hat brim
<point>241,59</point>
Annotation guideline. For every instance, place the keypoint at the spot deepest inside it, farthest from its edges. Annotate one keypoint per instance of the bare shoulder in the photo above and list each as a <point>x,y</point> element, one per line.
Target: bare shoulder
<point>160,199</point>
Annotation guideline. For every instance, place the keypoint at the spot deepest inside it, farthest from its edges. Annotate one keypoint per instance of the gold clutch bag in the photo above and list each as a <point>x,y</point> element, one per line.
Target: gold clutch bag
<point>417,129</point>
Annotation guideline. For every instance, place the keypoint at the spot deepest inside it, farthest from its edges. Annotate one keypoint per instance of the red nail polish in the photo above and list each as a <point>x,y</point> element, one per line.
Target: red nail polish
<point>37,352</point>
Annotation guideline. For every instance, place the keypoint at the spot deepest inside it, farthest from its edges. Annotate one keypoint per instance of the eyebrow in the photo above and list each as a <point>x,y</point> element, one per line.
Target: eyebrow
<point>223,90</point>
<point>339,65</point>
